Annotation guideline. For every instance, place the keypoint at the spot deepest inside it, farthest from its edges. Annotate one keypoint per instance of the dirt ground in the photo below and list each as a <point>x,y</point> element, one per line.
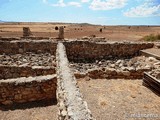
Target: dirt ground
<point>73,31</point>
<point>42,110</point>
<point>120,99</point>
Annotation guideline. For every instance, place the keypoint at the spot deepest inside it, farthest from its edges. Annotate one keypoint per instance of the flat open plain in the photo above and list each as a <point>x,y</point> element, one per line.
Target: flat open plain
<point>73,31</point>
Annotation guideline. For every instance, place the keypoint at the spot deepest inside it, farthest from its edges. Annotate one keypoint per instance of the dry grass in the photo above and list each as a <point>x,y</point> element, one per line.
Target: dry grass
<point>78,31</point>
<point>151,37</point>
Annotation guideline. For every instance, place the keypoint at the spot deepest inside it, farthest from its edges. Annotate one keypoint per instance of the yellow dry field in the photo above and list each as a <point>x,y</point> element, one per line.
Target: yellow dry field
<point>73,31</point>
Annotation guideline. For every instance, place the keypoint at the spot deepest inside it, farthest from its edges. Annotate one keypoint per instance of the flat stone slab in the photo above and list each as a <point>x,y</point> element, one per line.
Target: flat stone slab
<point>153,52</point>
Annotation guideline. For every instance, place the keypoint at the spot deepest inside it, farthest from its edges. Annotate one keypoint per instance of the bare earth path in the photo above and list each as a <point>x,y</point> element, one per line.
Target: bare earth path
<point>120,99</point>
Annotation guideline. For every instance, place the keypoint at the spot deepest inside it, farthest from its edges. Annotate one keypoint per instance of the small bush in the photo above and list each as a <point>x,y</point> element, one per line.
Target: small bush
<point>92,36</point>
<point>100,29</point>
<point>158,36</point>
<point>56,28</point>
<point>152,37</point>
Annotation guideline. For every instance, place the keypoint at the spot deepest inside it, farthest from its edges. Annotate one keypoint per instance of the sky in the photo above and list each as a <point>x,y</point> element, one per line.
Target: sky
<point>102,12</point>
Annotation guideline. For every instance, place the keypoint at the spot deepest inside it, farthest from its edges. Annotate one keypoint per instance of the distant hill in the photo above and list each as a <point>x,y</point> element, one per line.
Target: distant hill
<point>84,24</point>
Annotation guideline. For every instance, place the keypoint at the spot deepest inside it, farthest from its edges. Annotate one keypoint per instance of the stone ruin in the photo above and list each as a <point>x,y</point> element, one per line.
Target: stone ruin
<point>26,32</point>
<point>61,33</point>
<point>32,70</point>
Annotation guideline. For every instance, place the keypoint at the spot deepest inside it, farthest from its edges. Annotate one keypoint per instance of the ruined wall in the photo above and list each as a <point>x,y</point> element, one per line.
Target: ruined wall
<point>22,46</point>
<point>109,73</point>
<point>25,71</point>
<point>27,89</point>
<point>81,51</point>
<point>70,101</point>
<point>76,50</point>
<point>8,38</point>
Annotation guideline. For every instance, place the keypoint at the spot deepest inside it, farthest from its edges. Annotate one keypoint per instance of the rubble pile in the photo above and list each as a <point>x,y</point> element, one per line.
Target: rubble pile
<point>155,73</point>
<point>119,68</point>
<point>28,59</point>
<point>119,64</point>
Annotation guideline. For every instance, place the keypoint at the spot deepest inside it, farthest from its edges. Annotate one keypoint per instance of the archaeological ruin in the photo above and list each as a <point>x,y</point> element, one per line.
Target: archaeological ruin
<point>33,70</point>
<point>26,32</point>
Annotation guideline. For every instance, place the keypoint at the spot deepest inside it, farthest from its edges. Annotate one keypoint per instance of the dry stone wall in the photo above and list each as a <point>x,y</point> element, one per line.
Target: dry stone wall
<point>76,50</point>
<point>26,32</point>
<point>26,61</point>
<point>82,51</point>
<point>113,69</point>
<point>7,72</point>
<point>70,102</point>
<point>33,88</point>
<point>110,73</point>
<point>23,46</point>
<point>27,89</point>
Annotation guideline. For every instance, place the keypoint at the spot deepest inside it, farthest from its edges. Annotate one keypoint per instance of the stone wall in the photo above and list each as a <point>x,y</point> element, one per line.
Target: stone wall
<point>110,73</point>
<point>116,69</point>
<point>9,38</point>
<point>23,46</point>
<point>25,71</point>
<point>27,89</point>
<point>70,102</point>
<point>26,32</point>
<point>81,51</point>
<point>76,50</point>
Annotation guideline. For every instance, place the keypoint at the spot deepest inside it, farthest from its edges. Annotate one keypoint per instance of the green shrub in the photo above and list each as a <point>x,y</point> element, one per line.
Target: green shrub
<point>152,37</point>
<point>158,36</point>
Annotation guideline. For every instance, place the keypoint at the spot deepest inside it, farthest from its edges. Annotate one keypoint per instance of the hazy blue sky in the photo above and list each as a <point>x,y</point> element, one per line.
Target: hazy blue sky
<point>108,12</point>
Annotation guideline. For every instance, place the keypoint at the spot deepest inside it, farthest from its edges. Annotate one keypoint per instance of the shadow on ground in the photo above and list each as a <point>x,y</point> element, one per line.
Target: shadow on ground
<point>29,105</point>
<point>152,89</point>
